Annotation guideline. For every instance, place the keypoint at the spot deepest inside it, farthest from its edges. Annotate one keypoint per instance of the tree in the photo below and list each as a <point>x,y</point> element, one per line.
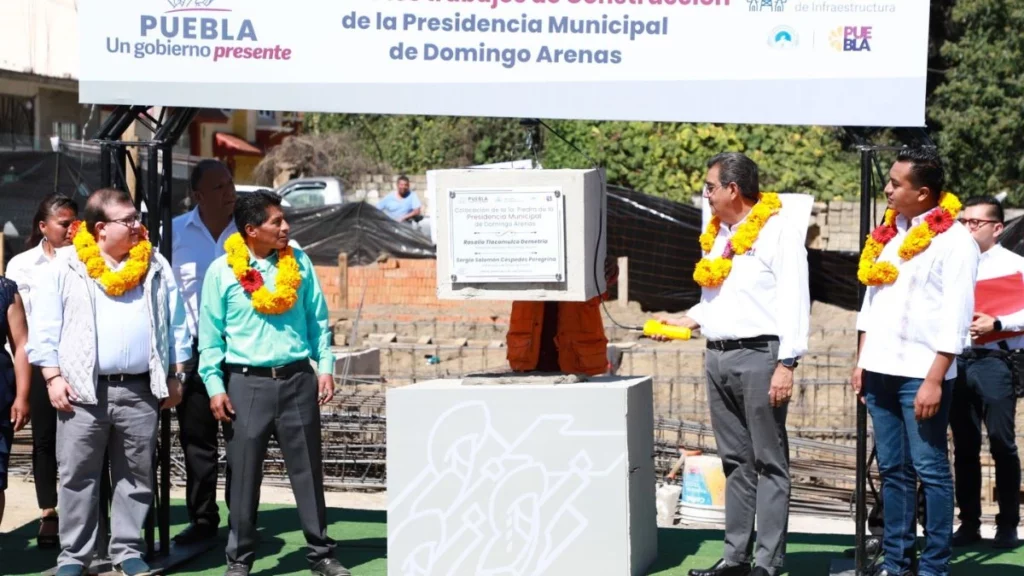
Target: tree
<point>331,154</point>
<point>669,159</point>
<point>979,109</point>
<point>415,144</point>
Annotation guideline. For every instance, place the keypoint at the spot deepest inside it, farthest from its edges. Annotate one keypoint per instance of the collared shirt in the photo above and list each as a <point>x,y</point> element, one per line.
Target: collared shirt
<point>927,310</point>
<point>231,331</point>
<point>123,342</point>
<point>25,269</point>
<point>193,249</point>
<point>767,293</point>
<point>994,263</point>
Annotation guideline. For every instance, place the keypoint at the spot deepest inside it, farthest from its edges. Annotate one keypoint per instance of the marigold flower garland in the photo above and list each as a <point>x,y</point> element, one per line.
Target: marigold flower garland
<point>712,273</point>
<point>288,279</point>
<point>114,283</point>
<point>870,272</point>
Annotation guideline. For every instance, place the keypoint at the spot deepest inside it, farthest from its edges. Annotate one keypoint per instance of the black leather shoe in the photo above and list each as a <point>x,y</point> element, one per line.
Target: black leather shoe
<point>760,571</point>
<point>329,567</point>
<point>965,536</point>
<point>237,569</point>
<point>721,569</point>
<point>195,533</point>
<point>1006,538</point>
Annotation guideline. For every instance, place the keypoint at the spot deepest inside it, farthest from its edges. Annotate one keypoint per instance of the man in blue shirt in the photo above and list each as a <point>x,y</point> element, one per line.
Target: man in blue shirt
<point>401,205</point>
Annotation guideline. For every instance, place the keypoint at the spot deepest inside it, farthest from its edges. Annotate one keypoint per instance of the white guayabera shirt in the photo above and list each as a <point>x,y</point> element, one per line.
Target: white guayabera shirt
<point>927,310</point>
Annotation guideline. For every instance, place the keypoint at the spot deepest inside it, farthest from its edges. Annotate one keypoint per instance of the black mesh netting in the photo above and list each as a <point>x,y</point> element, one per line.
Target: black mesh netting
<point>357,229</point>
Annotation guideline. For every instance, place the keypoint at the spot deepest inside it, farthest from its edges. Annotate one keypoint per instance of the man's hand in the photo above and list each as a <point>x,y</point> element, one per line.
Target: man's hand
<point>857,381</point>
<point>19,413</point>
<point>982,324</point>
<point>174,393</point>
<point>326,384</point>
<point>684,321</point>
<point>928,399</point>
<point>221,407</point>
<point>61,394</point>
<point>781,389</point>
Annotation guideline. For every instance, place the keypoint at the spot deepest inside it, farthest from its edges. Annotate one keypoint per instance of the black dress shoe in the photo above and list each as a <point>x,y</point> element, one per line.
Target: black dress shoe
<point>760,571</point>
<point>1006,538</point>
<point>237,569</point>
<point>722,569</point>
<point>195,533</point>
<point>329,567</point>
<point>965,536</point>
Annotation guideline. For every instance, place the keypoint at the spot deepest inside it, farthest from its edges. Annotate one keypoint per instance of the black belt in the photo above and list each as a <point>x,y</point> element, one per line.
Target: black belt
<point>754,342</point>
<point>123,377</point>
<point>979,353</point>
<point>274,372</point>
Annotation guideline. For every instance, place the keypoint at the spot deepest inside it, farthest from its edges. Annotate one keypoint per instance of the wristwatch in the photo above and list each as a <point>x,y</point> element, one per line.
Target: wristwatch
<point>182,377</point>
<point>997,325</point>
<point>790,362</point>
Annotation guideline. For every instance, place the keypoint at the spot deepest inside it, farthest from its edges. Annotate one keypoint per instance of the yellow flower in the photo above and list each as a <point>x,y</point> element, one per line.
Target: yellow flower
<point>707,239</point>
<point>950,203</point>
<point>287,282</point>
<point>712,273</point>
<point>114,283</point>
<point>918,239</point>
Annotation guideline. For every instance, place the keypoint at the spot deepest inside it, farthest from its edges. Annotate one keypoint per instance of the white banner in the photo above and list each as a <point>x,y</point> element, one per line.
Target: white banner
<point>835,62</point>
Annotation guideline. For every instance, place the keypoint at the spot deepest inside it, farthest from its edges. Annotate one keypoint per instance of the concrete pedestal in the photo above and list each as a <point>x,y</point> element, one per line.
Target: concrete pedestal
<point>520,478</point>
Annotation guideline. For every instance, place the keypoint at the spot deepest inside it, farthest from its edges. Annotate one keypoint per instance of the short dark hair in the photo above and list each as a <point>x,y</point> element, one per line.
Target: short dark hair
<point>403,178</point>
<point>738,168</point>
<point>96,206</point>
<point>251,208</point>
<point>995,209</point>
<point>200,170</point>
<point>48,207</point>
<point>926,168</point>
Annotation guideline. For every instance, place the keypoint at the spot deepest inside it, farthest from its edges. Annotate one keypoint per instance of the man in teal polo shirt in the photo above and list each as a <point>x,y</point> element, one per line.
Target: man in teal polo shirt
<point>263,320</point>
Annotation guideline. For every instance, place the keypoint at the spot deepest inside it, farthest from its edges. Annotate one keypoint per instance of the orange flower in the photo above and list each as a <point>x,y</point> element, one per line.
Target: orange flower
<point>870,272</point>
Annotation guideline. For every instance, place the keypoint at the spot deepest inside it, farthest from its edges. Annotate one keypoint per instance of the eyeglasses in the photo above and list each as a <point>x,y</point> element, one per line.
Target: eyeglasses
<point>975,223</point>
<point>709,189</point>
<point>129,222</point>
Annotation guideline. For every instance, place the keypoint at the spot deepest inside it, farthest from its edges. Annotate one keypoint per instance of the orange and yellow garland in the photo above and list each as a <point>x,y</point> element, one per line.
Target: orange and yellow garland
<point>712,273</point>
<point>288,280</point>
<point>870,272</point>
<point>114,283</point>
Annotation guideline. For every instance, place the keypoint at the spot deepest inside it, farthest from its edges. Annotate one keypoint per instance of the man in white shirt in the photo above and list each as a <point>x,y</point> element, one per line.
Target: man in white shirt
<point>197,240</point>
<point>108,330</point>
<point>756,323</point>
<point>984,389</point>
<point>911,329</point>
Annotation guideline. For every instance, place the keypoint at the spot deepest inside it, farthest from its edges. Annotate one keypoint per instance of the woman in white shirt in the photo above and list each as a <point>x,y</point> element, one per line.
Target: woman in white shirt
<point>50,230</point>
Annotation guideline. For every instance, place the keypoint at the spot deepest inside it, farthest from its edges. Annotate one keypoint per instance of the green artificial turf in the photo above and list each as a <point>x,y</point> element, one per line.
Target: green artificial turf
<point>362,546</point>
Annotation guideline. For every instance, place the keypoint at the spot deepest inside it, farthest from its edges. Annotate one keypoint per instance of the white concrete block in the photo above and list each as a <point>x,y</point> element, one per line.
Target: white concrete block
<point>530,479</point>
<point>360,362</point>
<point>520,234</point>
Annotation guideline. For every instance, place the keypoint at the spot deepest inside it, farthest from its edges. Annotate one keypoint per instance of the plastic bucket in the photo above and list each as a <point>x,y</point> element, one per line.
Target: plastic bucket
<point>703,497</point>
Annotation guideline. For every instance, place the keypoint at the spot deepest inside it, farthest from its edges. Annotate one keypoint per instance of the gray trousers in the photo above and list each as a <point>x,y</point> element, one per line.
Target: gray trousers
<point>288,409</point>
<point>123,424</point>
<point>754,448</point>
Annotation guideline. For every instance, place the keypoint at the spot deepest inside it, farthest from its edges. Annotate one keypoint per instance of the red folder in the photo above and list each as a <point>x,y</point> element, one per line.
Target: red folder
<point>999,297</point>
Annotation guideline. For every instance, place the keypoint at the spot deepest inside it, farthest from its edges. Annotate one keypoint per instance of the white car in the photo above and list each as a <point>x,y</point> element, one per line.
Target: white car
<point>304,192</point>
